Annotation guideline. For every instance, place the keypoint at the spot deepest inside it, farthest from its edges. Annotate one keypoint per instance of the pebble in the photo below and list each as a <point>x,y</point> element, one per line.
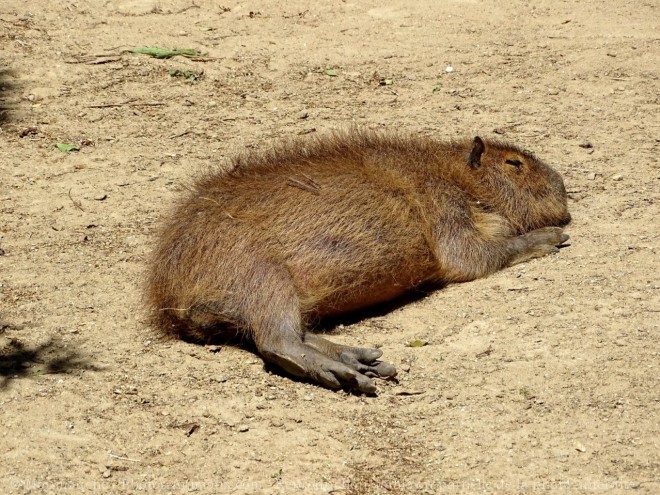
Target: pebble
<point>617,177</point>
<point>243,428</point>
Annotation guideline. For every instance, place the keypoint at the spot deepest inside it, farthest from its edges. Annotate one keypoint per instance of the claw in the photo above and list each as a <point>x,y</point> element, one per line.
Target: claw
<point>365,385</point>
<point>365,355</point>
<point>329,380</point>
<point>385,370</point>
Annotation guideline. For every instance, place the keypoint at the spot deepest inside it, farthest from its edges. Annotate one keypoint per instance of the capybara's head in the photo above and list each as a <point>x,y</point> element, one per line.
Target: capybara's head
<point>516,183</point>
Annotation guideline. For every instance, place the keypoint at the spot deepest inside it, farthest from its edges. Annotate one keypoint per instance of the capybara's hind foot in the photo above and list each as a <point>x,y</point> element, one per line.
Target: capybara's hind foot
<point>364,360</point>
<point>351,370</point>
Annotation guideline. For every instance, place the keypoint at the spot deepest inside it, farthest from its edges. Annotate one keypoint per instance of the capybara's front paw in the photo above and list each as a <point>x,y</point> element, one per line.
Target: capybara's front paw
<point>537,243</point>
<point>547,236</point>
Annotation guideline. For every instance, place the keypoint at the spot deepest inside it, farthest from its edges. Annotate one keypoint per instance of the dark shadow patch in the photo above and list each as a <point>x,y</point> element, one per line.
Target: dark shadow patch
<point>377,311</point>
<point>20,361</point>
<point>225,335</point>
<point>6,86</point>
<point>221,335</point>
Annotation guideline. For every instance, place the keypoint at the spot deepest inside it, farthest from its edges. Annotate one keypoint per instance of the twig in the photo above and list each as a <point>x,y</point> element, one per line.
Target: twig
<point>77,204</point>
<point>311,181</point>
<point>485,353</point>
<point>175,309</point>
<point>195,58</point>
<point>181,134</point>
<point>193,6</point>
<point>128,103</point>
<point>94,59</point>
<point>225,212</point>
<point>311,186</point>
<point>122,458</point>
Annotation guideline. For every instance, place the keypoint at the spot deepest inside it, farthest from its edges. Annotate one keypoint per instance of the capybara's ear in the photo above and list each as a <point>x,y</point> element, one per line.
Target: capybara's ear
<point>478,147</point>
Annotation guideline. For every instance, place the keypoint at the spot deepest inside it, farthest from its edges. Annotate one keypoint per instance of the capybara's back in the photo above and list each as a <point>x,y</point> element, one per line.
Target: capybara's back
<point>324,226</point>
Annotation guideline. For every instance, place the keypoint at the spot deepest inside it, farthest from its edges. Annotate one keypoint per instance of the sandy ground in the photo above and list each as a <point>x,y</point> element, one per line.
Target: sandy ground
<point>543,378</point>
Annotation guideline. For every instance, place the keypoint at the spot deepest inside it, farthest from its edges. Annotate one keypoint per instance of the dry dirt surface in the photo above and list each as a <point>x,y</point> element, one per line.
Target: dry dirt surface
<point>543,378</point>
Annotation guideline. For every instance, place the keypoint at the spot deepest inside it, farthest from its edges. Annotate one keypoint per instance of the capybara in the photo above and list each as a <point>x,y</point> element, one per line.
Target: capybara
<point>323,226</point>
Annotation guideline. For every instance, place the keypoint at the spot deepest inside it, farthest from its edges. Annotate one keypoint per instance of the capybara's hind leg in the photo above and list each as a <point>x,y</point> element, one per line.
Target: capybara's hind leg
<point>272,313</point>
<point>364,360</point>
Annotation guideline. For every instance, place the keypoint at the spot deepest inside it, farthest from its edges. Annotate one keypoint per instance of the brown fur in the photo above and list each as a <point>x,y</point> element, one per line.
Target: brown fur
<point>322,226</point>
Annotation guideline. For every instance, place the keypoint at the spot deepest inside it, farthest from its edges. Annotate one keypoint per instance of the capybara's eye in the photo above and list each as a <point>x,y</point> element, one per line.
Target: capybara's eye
<point>515,163</point>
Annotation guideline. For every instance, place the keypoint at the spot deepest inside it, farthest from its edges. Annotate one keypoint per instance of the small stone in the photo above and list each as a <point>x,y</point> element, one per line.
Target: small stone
<point>617,177</point>
<point>107,473</point>
<point>449,69</point>
<point>243,428</point>
<point>28,131</point>
<point>591,176</point>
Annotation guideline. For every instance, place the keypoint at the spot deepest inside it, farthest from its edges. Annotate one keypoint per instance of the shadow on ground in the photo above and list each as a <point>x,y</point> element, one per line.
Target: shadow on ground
<point>19,361</point>
<point>6,86</point>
